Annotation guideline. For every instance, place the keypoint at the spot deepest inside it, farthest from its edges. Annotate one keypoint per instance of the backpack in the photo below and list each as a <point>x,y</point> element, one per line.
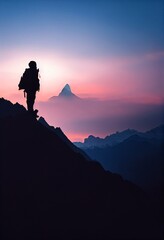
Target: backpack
<point>22,83</point>
<point>25,81</point>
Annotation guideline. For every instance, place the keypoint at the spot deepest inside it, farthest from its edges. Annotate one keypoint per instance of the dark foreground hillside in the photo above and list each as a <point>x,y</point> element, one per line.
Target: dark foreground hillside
<point>50,191</point>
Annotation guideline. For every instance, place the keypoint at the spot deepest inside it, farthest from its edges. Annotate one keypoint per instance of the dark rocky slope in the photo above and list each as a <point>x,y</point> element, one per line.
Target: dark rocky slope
<point>50,191</point>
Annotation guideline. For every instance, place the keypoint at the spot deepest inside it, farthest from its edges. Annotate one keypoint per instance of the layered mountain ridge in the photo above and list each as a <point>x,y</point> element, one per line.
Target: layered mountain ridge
<point>136,156</point>
<point>156,133</point>
<point>51,191</point>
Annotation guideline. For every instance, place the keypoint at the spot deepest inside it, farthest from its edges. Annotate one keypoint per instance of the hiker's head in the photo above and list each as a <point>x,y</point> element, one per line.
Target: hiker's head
<point>32,64</point>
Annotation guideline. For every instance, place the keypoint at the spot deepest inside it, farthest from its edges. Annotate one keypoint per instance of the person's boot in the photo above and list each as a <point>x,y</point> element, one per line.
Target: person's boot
<point>35,113</point>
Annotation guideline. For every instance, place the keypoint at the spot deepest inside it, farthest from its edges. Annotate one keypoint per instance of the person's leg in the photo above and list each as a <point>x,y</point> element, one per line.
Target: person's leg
<point>30,101</point>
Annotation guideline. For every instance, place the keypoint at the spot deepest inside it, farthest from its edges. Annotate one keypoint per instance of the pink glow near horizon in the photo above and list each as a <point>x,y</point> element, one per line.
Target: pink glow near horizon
<point>102,78</point>
<point>127,96</point>
<point>78,119</point>
<point>118,88</point>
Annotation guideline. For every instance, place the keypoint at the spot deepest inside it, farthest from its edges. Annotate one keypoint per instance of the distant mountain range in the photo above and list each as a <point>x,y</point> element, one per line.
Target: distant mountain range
<point>118,137</point>
<point>66,93</point>
<point>51,191</point>
<point>136,156</point>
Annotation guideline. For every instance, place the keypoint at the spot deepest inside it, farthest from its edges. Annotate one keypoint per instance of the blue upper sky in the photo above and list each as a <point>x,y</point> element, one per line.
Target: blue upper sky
<point>89,27</point>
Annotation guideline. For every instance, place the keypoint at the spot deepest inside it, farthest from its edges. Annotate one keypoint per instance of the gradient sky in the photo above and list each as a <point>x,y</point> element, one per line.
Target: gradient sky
<point>111,50</point>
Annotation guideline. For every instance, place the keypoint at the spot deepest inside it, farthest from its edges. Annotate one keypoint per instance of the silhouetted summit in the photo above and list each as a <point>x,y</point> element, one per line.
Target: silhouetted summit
<point>50,191</point>
<point>9,109</point>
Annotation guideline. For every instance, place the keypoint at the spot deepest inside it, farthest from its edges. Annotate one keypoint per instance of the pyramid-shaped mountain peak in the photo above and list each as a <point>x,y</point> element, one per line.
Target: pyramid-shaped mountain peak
<point>67,88</point>
<point>67,92</point>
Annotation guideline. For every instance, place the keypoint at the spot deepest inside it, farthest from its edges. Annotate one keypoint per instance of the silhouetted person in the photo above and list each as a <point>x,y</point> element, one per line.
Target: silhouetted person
<point>30,83</point>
